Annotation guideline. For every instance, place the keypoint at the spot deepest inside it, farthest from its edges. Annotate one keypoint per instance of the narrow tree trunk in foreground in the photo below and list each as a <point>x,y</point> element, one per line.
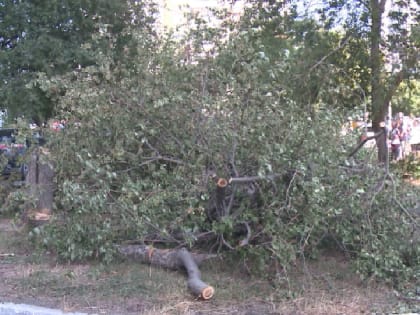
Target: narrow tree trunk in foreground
<point>216,208</point>
<point>40,179</point>
<point>173,259</point>
<point>220,198</point>
<point>40,182</point>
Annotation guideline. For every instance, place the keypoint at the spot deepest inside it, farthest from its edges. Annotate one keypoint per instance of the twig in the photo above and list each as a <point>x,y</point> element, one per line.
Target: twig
<point>405,211</point>
<point>245,241</point>
<point>166,237</point>
<point>152,148</point>
<point>247,179</point>
<point>288,188</point>
<point>236,174</point>
<point>380,186</point>
<point>406,298</point>
<point>164,159</point>
<point>226,243</point>
<point>232,160</point>
<point>342,44</point>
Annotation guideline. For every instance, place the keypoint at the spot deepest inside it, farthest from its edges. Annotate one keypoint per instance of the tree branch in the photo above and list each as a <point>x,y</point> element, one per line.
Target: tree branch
<point>173,259</point>
<point>357,148</point>
<point>342,44</point>
<point>407,213</point>
<point>248,179</point>
<point>245,241</point>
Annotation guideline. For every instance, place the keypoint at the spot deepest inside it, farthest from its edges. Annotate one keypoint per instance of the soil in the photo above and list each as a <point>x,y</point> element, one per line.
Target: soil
<point>324,286</point>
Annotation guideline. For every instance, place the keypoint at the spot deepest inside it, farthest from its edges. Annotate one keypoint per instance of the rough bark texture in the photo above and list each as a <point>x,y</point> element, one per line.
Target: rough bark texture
<point>173,259</point>
<point>220,198</point>
<point>217,208</point>
<point>40,180</point>
<point>378,106</point>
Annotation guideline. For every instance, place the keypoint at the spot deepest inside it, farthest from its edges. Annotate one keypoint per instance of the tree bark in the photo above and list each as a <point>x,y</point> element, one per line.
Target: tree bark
<point>220,198</point>
<point>173,259</point>
<point>217,208</point>
<point>40,180</point>
<point>379,108</point>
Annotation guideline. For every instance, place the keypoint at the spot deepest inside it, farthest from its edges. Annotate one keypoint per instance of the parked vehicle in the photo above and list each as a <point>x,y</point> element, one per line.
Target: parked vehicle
<point>13,153</point>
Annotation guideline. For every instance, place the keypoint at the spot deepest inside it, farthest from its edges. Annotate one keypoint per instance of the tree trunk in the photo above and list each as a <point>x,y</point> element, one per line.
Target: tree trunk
<point>173,259</point>
<point>40,180</point>
<point>217,208</point>
<point>382,145</point>
<point>379,107</point>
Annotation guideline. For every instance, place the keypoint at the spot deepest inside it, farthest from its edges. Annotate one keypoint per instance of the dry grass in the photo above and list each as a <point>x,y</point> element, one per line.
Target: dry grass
<point>326,286</point>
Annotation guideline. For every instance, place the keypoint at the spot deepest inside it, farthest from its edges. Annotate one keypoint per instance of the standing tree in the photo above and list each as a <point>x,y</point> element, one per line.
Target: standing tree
<point>50,37</point>
<point>390,28</point>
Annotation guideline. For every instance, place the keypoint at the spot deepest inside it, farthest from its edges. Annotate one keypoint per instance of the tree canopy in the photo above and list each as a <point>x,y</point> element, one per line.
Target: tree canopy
<point>50,37</point>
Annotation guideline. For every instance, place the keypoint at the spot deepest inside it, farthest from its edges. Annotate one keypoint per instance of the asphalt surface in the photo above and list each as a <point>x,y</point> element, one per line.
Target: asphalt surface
<point>24,309</point>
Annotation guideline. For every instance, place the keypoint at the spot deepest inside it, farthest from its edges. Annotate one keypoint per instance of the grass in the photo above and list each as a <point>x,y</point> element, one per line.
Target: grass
<point>325,286</point>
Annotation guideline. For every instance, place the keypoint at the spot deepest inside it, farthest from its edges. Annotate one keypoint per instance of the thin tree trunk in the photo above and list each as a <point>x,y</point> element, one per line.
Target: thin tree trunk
<point>40,180</point>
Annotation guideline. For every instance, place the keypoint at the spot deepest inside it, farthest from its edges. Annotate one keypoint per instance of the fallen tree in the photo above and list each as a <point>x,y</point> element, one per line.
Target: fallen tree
<point>174,259</point>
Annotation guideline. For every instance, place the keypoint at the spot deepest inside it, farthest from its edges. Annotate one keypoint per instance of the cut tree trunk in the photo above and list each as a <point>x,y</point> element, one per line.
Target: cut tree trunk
<point>220,198</point>
<point>40,180</point>
<point>173,259</point>
<point>217,208</point>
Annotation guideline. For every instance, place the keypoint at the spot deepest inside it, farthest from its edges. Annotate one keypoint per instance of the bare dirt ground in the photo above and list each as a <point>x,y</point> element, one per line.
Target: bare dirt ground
<point>326,286</point>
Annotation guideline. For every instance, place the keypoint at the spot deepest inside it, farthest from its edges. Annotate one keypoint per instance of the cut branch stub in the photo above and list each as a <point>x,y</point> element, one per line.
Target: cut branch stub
<point>220,197</point>
<point>222,183</point>
<point>217,207</point>
<point>173,259</point>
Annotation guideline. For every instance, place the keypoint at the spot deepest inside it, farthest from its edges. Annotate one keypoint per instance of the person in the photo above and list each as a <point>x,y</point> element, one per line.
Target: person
<point>396,140</point>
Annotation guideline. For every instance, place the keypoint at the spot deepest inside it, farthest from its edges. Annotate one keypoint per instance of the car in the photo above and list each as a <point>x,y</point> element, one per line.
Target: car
<point>12,154</point>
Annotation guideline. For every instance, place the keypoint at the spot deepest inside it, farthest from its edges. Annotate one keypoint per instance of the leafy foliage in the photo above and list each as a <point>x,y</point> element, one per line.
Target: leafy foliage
<point>407,99</point>
<point>48,37</point>
<point>148,130</point>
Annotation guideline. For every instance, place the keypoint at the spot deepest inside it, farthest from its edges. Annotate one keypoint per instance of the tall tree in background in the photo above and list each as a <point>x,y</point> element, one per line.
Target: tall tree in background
<point>324,67</point>
<point>47,36</point>
<point>391,28</point>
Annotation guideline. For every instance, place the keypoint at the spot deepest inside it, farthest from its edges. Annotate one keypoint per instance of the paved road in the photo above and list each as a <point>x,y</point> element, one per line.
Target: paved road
<point>24,309</point>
